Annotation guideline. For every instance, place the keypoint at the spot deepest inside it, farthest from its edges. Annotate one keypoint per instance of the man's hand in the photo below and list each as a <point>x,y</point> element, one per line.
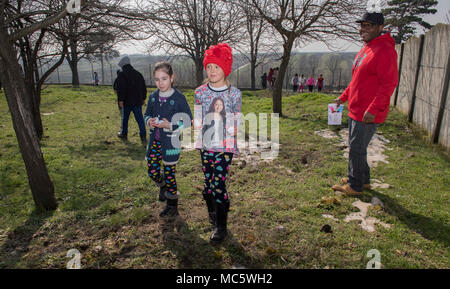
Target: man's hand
<point>164,124</point>
<point>368,117</point>
<point>121,104</point>
<point>338,102</point>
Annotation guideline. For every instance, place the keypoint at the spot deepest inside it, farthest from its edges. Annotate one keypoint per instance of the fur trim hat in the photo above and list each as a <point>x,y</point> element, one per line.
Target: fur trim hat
<point>221,55</point>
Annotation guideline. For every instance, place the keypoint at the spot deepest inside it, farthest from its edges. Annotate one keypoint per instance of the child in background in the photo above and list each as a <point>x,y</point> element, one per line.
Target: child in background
<point>310,83</point>
<point>302,83</point>
<point>217,107</point>
<point>162,105</point>
<point>295,82</point>
<point>320,83</point>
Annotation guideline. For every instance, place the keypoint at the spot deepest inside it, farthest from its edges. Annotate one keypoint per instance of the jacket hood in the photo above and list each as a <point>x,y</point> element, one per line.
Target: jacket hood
<point>385,39</point>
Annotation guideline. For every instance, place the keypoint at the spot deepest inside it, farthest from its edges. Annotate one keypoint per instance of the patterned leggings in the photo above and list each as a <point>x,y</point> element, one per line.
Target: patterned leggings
<point>215,168</point>
<point>154,160</point>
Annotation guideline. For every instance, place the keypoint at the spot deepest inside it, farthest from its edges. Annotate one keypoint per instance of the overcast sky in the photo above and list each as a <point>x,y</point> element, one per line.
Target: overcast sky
<point>443,8</point>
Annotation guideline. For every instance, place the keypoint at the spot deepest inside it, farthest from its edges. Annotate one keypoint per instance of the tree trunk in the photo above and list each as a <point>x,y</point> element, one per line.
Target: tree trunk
<point>278,91</point>
<point>75,78</point>
<point>29,69</point>
<point>19,103</point>
<point>253,74</point>
<point>103,67</point>
<point>199,71</point>
<point>73,63</point>
<point>36,111</point>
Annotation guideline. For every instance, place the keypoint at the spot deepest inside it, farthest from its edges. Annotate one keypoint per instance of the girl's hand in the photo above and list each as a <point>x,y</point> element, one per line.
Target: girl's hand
<point>152,122</point>
<point>164,124</point>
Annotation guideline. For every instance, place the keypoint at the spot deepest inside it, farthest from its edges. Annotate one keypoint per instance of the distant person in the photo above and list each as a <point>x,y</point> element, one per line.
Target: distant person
<point>0,85</point>
<point>275,75</point>
<point>95,79</point>
<point>132,92</point>
<point>295,82</point>
<point>302,83</point>
<point>320,83</point>
<point>374,78</point>
<point>270,78</point>
<point>162,153</point>
<point>264,80</point>
<point>310,83</point>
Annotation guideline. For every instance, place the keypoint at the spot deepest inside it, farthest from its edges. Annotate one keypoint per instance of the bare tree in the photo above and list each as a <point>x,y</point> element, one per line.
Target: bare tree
<point>332,64</point>
<point>20,102</point>
<point>303,21</point>
<point>313,61</point>
<point>191,26</point>
<point>34,49</point>
<point>256,38</point>
<point>113,20</point>
<point>34,16</point>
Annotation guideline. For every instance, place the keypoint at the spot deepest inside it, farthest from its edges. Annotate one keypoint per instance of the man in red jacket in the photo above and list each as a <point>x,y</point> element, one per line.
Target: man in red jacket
<point>374,78</point>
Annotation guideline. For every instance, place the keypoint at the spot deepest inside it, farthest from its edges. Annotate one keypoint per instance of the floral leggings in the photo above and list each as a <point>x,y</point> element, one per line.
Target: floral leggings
<point>215,168</point>
<point>154,160</point>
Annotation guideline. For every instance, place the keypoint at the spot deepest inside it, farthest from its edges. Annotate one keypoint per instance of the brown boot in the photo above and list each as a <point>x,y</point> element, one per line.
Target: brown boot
<point>346,189</point>
<point>365,186</point>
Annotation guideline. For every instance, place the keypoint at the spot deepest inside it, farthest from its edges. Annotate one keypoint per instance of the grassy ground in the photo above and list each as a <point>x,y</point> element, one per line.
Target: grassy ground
<point>108,207</point>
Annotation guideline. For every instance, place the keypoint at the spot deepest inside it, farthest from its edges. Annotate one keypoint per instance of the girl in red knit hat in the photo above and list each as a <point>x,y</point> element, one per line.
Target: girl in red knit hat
<point>217,114</point>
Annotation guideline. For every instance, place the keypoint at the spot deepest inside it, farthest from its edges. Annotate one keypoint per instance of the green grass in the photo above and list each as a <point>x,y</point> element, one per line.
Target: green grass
<point>106,198</point>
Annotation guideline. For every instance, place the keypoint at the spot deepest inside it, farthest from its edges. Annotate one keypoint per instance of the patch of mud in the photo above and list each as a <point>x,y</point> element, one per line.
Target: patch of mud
<point>260,152</point>
<point>367,223</point>
<point>375,150</point>
<point>264,152</point>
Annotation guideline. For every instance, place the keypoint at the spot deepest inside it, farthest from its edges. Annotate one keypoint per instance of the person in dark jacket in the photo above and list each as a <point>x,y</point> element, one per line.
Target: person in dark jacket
<point>264,80</point>
<point>115,87</point>
<point>131,92</point>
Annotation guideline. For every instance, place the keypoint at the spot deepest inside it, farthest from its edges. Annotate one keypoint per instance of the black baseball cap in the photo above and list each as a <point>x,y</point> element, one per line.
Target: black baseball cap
<point>374,18</point>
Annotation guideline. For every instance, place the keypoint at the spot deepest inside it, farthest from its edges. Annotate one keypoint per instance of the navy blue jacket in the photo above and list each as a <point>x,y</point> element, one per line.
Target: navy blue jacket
<point>175,104</point>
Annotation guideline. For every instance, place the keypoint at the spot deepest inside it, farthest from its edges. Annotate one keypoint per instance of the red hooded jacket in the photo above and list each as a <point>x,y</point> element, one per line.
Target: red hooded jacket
<point>374,78</point>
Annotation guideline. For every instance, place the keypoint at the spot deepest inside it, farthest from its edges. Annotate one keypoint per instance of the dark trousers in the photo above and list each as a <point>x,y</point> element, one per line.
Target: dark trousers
<point>359,136</point>
<point>295,88</point>
<point>311,87</point>
<point>137,111</point>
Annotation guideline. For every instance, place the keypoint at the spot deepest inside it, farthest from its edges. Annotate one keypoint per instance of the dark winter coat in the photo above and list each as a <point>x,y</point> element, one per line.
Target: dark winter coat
<point>176,103</point>
<point>131,87</point>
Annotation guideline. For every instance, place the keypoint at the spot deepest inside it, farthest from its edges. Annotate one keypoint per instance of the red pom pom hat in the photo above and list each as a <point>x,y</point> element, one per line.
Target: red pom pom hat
<point>221,55</point>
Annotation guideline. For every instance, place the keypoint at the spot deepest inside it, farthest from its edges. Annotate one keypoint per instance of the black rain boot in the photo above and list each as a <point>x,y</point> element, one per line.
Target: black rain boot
<point>162,190</point>
<point>171,209</point>
<point>211,204</point>
<point>220,231</point>
<point>162,193</point>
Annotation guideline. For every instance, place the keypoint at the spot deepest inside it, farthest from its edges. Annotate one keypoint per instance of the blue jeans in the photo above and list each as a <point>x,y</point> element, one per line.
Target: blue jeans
<point>137,111</point>
<point>359,136</point>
